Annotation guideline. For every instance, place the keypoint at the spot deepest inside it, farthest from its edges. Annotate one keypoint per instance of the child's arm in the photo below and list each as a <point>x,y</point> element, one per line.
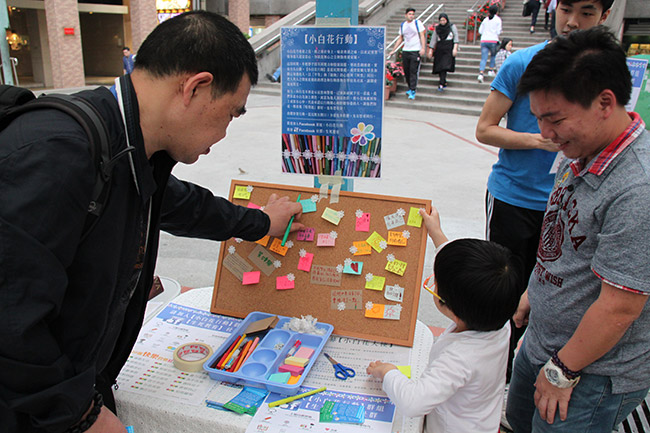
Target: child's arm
<point>432,223</point>
<point>379,369</point>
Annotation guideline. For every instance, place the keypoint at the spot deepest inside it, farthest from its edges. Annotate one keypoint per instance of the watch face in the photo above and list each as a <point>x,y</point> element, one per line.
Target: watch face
<point>552,376</point>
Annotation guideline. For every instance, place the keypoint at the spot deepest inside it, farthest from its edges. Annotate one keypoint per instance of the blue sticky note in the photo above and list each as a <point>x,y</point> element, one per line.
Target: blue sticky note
<point>308,206</point>
<point>280,377</point>
<point>353,268</point>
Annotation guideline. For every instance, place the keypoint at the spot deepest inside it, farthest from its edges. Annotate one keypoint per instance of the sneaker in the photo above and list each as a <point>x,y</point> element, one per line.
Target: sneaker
<point>408,93</point>
<point>441,88</point>
<point>412,94</point>
<point>270,78</point>
<point>480,78</point>
<point>491,74</point>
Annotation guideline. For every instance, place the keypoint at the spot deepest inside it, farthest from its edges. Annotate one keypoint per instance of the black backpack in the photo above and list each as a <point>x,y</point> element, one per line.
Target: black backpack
<point>15,101</point>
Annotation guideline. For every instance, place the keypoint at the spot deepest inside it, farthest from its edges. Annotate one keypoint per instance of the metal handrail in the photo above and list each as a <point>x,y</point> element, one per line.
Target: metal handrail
<point>276,37</point>
<point>423,22</point>
<point>14,63</point>
<point>372,8</point>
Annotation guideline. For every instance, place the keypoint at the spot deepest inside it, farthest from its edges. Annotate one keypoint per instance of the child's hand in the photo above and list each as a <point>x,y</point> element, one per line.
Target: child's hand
<point>432,224</point>
<point>379,369</point>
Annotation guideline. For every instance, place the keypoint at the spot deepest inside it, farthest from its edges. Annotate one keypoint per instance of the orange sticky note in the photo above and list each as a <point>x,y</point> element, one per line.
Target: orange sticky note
<point>264,241</point>
<point>376,312</point>
<point>396,238</point>
<point>276,247</point>
<point>363,248</point>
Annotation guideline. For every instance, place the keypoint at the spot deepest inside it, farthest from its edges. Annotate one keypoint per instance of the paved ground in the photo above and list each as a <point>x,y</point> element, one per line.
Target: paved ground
<point>425,155</point>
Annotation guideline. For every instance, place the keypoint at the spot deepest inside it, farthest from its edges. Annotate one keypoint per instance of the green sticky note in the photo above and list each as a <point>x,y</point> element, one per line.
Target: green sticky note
<point>415,219</point>
<point>242,192</point>
<point>377,283</point>
<point>332,216</point>
<point>308,206</point>
<point>375,241</point>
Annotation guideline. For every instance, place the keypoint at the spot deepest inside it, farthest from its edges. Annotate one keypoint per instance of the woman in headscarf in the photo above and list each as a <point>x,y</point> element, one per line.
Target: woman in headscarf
<point>443,48</point>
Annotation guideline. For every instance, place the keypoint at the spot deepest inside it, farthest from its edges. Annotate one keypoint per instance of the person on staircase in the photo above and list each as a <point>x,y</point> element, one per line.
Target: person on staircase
<point>411,32</point>
<point>535,6</point>
<point>490,30</point>
<point>443,49</point>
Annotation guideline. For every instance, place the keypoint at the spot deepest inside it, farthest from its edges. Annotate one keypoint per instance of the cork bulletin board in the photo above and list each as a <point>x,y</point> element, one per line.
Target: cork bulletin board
<point>358,266</point>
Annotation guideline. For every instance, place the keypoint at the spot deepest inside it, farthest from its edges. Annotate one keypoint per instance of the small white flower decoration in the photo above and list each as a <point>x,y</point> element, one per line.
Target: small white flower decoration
<point>353,249</point>
<point>286,153</point>
<point>390,258</point>
<point>376,159</point>
<point>364,157</point>
<point>341,306</point>
<point>369,305</point>
<point>358,213</point>
<point>296,153</point>
<point>277,264</point>
<point>329,155</point>
<point>341,213</point>
<point>314,198</point>
<point>398,307</point>
<point>239,240</point>
<point>406,234</point>
<point>262,208</point>
<point>307,154</point>
<point>339,268</point>
<point>341,156</point>
<point>401,212</point>
<point>347,262</point>
<point>319,154</point>
<point>333,234</point>
<point>249,188</point>
<point>289,244</point>
<point>231,249</point>
<point>383,245</point>
<point>369,276</point>
<point>291,277</point>
<point>302,252</point>
<point>353,157</point>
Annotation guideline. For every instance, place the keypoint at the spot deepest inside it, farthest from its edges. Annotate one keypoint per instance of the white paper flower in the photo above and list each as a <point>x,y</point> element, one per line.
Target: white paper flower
<point>358,213</point>
<point>347,261</point>
<point>302,252</point>
<point>406,234</point>
<point>333,235</point>
<point>286,153</point>
<point>307,154</point>
<point>341,306</point>
<point>398,287</point>
<point>339,268</point>
<point>376,159</point>
<point>319,154</point>
<point>383,245</point>
<point>262,208</point>
<point>398,307</point>
<point>249,188</point>
<point>341,156</point>
<point>329,155</point>
<point>401,212</point>
<point>231,249</point>
<point>369,305</point>
<point>353,249</point>
<point>314,198</point>
<point>296,153</point>
<point>289,244</point>
<point>341,214</point>
<point>239,240</point>
<point>369,276</point>
<point>390,258</point>
<point>291,277</point>
<point>364,157</point>
<point>353,157</point>
<point>277,264</point>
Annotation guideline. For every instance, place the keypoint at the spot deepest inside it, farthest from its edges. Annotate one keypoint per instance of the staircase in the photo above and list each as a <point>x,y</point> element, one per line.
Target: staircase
<point>464,94</point>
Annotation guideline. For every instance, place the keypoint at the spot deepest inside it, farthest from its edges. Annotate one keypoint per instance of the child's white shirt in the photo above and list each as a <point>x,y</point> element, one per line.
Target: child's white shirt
<point>461,389</point>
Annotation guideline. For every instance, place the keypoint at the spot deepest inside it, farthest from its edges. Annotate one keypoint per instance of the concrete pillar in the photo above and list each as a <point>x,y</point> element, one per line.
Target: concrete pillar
<point>143,20</point>
<point>239,13</point>
<point>65,50</point>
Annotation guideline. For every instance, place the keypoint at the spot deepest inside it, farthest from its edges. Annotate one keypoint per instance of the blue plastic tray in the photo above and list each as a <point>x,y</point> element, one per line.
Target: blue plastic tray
<point>270,354</point>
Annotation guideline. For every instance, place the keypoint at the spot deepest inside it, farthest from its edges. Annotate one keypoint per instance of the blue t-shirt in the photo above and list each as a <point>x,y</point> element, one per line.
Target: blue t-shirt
<point>127,61</point>
<point>520,177</point>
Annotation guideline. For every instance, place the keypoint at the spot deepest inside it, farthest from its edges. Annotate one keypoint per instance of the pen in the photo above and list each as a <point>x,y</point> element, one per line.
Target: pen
<point>295,347</point>
<point>253,346</point>
<point>296,397</point>
<point>286,233</point>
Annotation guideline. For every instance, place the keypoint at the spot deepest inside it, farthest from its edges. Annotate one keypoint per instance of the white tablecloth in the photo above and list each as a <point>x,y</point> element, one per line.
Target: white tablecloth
<point>155,415</point>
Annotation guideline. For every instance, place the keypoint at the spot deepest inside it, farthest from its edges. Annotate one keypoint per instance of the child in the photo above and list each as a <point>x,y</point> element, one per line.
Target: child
<point>461,389</point>
<point>504,52</point>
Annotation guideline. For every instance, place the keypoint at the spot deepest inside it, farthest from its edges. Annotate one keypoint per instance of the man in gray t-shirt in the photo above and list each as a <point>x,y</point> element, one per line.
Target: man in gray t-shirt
<point>586,354</point>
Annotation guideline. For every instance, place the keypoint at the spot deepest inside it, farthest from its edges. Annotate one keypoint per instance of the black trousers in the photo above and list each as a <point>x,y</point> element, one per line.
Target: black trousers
<point>535,12</point>
<point>517,229</point>
<point>411,64</point>
<point>443,78</point>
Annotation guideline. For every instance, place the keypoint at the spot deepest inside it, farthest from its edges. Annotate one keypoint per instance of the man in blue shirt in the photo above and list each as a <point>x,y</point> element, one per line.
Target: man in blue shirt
<point>127,60</point>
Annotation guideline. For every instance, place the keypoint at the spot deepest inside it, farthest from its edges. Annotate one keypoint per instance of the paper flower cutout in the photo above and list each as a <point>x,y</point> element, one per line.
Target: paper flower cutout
<point>369,276</point>
<point>262,208</point>
<point>364,157</point>
<point>362,134</point>
<point>347,262</point>
<point>291,277</point>
<point>307,154</point>
<point>249,188</point>
<point>353,157</point>
<point>296,153</point>
<point>353,249</point>
<point>398,307</point>
<point>341,156</point>
<point>358,213</point>
<point>401,212</point>
<point>341,213</point>
<point>341,306</point>
<point>319,154</point>
<point>302,252</point>
<point>339,268</point>
<point>289,244</point>
<point>277,264</point>
<point>314,198</point>
<point>383,245</point>
<point>333,235</point>
<point>286,153</point>
<point>239,240</point>
<point>231,249</point>
<point>329,155</point>
<point>406,234</point>
<point>376,159</point>
<point>369,305</point>
<point>390,258</point>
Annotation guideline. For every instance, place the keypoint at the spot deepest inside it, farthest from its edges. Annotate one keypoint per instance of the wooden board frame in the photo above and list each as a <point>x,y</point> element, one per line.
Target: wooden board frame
<point>232,298</point>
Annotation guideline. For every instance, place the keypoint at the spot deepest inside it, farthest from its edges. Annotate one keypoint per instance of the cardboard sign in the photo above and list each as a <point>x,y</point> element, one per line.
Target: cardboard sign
<point>237,265</point>
<point>346,300</point>
<point>325,276</point>
<point>262,259</point>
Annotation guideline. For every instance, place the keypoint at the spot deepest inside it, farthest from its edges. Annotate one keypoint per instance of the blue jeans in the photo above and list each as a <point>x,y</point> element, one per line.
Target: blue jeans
<point>488,48</point>
<point>592,408</point>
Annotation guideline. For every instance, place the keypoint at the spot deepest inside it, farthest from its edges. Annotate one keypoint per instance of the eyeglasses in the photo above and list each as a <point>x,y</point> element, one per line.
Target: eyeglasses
<point>429,288</point>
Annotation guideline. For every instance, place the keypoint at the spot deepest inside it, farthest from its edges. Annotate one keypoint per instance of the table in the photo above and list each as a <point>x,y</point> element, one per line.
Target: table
<point>149,413</point>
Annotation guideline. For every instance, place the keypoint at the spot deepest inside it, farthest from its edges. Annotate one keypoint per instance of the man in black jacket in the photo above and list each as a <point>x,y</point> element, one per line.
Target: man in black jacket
<point>72,305</point>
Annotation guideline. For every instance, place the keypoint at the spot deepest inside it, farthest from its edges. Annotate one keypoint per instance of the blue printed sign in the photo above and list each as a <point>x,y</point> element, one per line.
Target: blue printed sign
<point>332,100</point>
<point>637,69</point>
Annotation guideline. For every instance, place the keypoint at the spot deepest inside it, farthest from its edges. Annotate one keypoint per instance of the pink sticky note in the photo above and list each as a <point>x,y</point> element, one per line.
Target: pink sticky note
<point>251,277</point>
<point>307,234</point>
<point>253,205</point>
<point>363,223</point>
<point>324,240</point>
<point>283,283</point>
<point>304,352</point>
<point>304,264</point>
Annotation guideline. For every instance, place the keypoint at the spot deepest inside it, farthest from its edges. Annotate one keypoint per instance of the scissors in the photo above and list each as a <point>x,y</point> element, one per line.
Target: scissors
<point>340,371</point>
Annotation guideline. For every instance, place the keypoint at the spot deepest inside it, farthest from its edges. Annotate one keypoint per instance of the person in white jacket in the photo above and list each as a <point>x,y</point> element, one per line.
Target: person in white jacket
<point>490,30</point>
<point>461,390</point>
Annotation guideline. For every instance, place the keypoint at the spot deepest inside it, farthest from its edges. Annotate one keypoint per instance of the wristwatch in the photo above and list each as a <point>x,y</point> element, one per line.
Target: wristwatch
<point>556,377</point>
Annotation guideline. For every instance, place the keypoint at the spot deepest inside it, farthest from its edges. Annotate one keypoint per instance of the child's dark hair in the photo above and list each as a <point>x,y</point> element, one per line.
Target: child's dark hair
<point>605,4</point>
<point>478,281</point>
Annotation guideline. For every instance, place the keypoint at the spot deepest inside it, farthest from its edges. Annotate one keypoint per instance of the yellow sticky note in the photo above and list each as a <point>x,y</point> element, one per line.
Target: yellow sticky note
<point>397,267</point>
<point>242,192</point>
<point>331,215</point>
<point>276,247</point>
<point>375,240</point>
<point>396,238</point>
<point>415,219</point>
<point>405,370</point>
<point>363,248</point>
<point>264,241</point>
<point>376,312</point>
<point>377,283</point>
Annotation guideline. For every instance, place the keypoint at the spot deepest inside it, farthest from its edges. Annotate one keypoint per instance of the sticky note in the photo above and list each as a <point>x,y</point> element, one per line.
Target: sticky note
<point>308,206</point>
<point>264,241</point>
<point>307,234</point>
<point>353,268</point>
<point>404,369</point>
<point>415,219</point>
<point>377,283</point>
<point>397,267</point>
<point>242,192</point>
<point>300,362</point>
<point>396,238</point>
<point>331,215</point>
<point>304,263</point>
<point>375,240</point>
<point>363,223</point>
<point>324,240</point>
<point>293,380</point>
<point>276,247</point>
<point>393,220</point>
<point>280,377</point>
<point>284,283</point>
<point>304,352</point>
<point>376,312</point>
<point>363,248</point>
<point>394,293</point>
<point>253,205</point>
<point>381,311</point>
<point>293,370</point>
<point>251,277</point>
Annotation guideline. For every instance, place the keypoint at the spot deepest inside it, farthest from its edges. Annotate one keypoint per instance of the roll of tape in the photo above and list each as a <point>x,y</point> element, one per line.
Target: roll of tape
<point>191,356</point>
